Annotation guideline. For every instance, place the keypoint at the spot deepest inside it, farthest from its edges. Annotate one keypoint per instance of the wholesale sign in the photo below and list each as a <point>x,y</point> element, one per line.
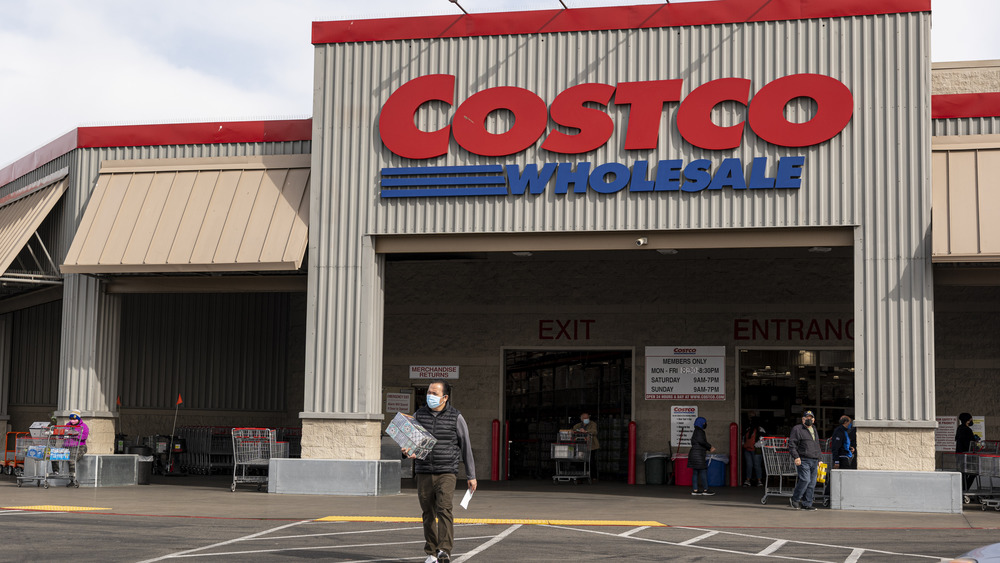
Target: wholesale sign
<point>686,372</point>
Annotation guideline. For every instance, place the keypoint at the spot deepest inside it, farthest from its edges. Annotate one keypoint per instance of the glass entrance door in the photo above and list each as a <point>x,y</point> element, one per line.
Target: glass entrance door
<point>778,385</point>
<point>546,390</point>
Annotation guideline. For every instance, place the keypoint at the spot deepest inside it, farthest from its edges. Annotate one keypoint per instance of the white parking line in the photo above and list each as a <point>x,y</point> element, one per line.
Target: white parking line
<point>854,556</point>
<point>632,531</point>
<point>227,542</point>
<point>373,531</point>
<point>316,547</point>
<point>772,548</point>
<point>664,542</point>
<point>878,551</point>
<point>699,538</point>
<point>499,537</point>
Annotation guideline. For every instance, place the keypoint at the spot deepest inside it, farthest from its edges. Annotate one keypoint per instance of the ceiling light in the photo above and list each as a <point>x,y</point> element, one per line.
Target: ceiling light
<point>666,251</point>
<point>822,249</point>
<point>522,253</point>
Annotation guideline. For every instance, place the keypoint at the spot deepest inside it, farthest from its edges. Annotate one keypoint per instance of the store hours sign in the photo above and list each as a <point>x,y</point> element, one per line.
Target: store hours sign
<point>686,372</point>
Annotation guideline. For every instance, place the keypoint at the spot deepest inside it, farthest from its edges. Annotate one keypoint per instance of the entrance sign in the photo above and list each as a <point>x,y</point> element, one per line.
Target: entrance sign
<point>682,425</point>
<point>433,372</point>
<point>686,372</point>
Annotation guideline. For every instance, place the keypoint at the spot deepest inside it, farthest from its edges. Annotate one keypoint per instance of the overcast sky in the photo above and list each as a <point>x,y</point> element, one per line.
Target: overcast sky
<point>71,63</point>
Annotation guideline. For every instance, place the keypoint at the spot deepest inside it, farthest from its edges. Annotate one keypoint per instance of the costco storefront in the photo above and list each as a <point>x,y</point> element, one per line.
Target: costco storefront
<point>550,199</point>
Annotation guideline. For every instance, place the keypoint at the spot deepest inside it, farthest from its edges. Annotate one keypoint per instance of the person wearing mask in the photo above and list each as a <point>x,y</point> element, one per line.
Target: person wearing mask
<point>964,440</point>
<point>698,458</point>
<point>590,427</point>
<point>842,445</point>
<point>437,475</point>
<point>803,445</point>
<point>75,441</point>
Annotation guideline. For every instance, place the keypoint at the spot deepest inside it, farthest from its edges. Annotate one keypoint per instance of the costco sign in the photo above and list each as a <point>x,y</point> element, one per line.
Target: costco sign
<point>573,108</point>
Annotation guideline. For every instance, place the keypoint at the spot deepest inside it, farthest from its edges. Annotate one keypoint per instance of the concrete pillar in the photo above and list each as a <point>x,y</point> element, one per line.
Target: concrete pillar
<point>88,363</point>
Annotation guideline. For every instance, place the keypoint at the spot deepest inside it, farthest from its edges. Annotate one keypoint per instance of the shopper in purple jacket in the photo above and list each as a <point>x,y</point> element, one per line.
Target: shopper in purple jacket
<point>76,440</point>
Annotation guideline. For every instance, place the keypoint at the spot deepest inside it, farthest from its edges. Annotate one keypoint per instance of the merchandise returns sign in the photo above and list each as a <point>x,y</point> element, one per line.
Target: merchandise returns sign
<point>686,372</point>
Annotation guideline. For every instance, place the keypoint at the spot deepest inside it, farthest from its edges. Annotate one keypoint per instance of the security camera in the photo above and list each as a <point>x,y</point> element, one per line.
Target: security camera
<point>641,241</point>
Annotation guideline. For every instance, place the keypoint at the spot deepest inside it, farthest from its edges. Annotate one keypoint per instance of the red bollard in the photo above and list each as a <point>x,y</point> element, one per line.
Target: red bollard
<point>495,468</point>
<point>631,453</point>
<point>734,454</point>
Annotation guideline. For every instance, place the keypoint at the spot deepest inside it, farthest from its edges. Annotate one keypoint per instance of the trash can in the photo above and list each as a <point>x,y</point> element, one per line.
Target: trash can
<point>656,471</point>
<point>717,470</point>
<point>144,463</point>
<point>682,473</point>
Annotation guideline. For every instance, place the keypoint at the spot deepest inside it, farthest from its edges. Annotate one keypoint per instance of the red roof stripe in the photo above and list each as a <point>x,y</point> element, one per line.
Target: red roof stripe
<point>616,17</point>
<point>157,135</point>
<point>986,104</point>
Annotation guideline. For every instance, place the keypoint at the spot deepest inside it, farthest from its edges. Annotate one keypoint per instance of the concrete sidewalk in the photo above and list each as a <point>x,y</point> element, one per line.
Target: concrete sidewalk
<point>209,496</point>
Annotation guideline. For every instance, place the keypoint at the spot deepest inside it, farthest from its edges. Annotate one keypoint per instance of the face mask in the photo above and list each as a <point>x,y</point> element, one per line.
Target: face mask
<point>808,422</point>
<point>433,401</point>
<point>585,420</point>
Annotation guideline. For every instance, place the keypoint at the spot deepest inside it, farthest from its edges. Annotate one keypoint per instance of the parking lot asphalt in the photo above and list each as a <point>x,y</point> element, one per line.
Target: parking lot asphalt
<point>198,516</point>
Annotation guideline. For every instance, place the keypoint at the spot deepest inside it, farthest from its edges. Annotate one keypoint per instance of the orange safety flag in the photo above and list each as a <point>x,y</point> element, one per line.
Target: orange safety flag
<point>179,401</point>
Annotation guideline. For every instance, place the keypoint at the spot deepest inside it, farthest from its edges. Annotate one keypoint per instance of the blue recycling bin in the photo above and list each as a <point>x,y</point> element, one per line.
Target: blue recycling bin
<point>717,470</point>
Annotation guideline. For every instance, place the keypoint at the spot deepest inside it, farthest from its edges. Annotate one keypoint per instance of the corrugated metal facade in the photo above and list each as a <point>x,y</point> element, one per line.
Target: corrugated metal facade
<point>31,337</point>
<point>220,351</point>
<point>874,175</point>
<point>966,126</point>
<point>91,330</point>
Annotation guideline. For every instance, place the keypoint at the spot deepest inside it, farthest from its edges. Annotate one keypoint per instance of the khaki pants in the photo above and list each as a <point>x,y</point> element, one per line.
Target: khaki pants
<point>435,493</point>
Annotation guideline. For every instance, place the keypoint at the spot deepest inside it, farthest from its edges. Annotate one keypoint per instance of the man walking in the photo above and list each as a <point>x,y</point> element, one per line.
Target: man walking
<point>437,475</point>
<point>842,446</point>
<point>803,445</point>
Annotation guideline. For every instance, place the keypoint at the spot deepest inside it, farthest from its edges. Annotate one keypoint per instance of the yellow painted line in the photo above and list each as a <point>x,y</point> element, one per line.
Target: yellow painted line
<point>53,507</point>
<point>508,521</point>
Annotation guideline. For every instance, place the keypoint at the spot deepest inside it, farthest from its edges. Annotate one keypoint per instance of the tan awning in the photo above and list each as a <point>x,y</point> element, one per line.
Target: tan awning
<point>195,215</point>
<point>20,218</point>
<point>966,197</point>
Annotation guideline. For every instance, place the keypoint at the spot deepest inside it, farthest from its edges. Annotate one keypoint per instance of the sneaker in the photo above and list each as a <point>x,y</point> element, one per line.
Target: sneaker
<point>760,483</point>
<point>746,483</point>
<point>795,504</point>
<point>808,508</point>
<point>708,493</point>
<point>696,493</point>
<point>431,559</point>
<point>443,557</point>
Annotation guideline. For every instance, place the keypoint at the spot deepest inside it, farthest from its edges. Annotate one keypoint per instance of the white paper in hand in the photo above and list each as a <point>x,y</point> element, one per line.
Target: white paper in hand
<point>466,499</point>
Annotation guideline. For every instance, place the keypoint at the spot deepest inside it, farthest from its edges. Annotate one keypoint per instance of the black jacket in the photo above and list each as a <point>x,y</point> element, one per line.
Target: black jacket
<point>697,457</point>
<point>801,444</point>
<point>964,437</point>
<point>447,452</point>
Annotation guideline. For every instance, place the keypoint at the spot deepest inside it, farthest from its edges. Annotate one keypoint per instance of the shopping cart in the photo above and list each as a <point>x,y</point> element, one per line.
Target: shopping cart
<point>571,454</point>
<point>13,460</point>
<point>781,473</point>
<point>43,450</point>
<point>252,449</point>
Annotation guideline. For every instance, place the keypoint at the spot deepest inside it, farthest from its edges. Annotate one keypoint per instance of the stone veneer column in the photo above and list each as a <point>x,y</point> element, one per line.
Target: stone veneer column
<point>88,361</point>
<point>897,449</point>
<point>341,439</point>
